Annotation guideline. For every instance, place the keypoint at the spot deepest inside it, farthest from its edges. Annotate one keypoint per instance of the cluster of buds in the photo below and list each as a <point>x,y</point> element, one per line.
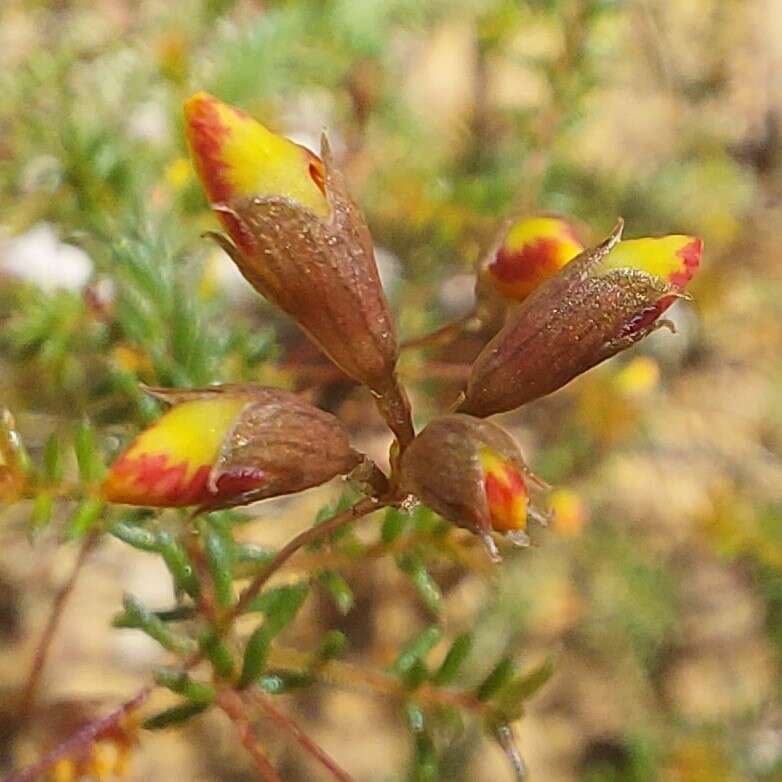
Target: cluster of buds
<point>601,301</point>
<point>555,309</point>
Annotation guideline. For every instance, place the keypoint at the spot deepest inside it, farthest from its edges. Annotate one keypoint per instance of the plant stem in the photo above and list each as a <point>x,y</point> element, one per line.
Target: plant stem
<point>309,535</point>
<point>441,336</point>
<point>233,706</point>
<point>465,549</point>
<point>80,742</point>
<point>394,406</point>
<point>33,681</point>
<point>352,677</point>
<point>206,601</point>
<point>307,744</point>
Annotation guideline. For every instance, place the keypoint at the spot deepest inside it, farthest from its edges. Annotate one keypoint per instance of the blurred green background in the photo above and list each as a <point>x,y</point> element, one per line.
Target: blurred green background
<point>659,589</point>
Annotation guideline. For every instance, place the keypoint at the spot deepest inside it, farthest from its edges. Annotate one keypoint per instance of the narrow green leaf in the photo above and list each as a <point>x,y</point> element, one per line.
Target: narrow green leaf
<point>426,521</point>
<point>139,617</point>
<point>217,653</point>
<point>394,525</point>
<point>52,459</point>
<point>43,507</point>
<point>87,514</point>
<point>416,675</point>
<point>91,468</point>
<point>255,655</point>
<point>500,675</point>
<point>332,645</point>
<point>281,682</point>
<point>177,614</point>
<point>219,558</point>
<point>280,605</point>
<point>425,585</point>
<point>513,696</point>
<point>134,535</point>
<point>178,564</point>
<point>176,715</point>
<point>425,765</point>
<point>454,659</point>
<point>339,590</point>
<point>181,683</point>
<point>416,649</point>
<point>252,556</point>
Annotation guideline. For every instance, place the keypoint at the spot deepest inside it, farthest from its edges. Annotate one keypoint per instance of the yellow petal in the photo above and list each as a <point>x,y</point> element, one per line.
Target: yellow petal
<point>169,463</point>
<point>235,156</point>
<point>534,249</point>
<point>506,491</point>
<point>674,258</point>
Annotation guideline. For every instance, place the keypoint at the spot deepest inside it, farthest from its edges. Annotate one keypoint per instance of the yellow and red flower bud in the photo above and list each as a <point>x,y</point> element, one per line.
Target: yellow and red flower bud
<point>296,236</point>
<point>605,300</point>
<point>229,445</point>
<point>237,157</point>
<point>472,473</point>
<point>531,251</point>
<point>506,491</point>
<point>673,258</point>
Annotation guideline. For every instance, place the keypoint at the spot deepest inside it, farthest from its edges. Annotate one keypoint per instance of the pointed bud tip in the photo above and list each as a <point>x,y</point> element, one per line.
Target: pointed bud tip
<point>674,258</point>
<point>236,157</point>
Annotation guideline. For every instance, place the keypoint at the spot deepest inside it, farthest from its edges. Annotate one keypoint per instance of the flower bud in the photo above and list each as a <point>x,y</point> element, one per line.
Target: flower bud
<point>237,157</point>
<point>531,250</point>
<point>297,237</point>
<point>605,300</point>
<point>229,445</point>
<point>472,473</point>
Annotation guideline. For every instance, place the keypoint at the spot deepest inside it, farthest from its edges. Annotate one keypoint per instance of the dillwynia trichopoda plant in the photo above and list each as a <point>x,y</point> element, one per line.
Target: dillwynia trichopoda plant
<point>551,308</point>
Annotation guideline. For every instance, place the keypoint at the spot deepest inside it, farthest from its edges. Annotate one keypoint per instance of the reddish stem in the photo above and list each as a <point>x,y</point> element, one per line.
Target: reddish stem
<point>442,336</point>
<point>32,684</point>
<point>206,599</point>
<point>233,706</point>
<point>394,406</point>
<point>309,535</point>
<point>306,743</point>
<point>80,742</point>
